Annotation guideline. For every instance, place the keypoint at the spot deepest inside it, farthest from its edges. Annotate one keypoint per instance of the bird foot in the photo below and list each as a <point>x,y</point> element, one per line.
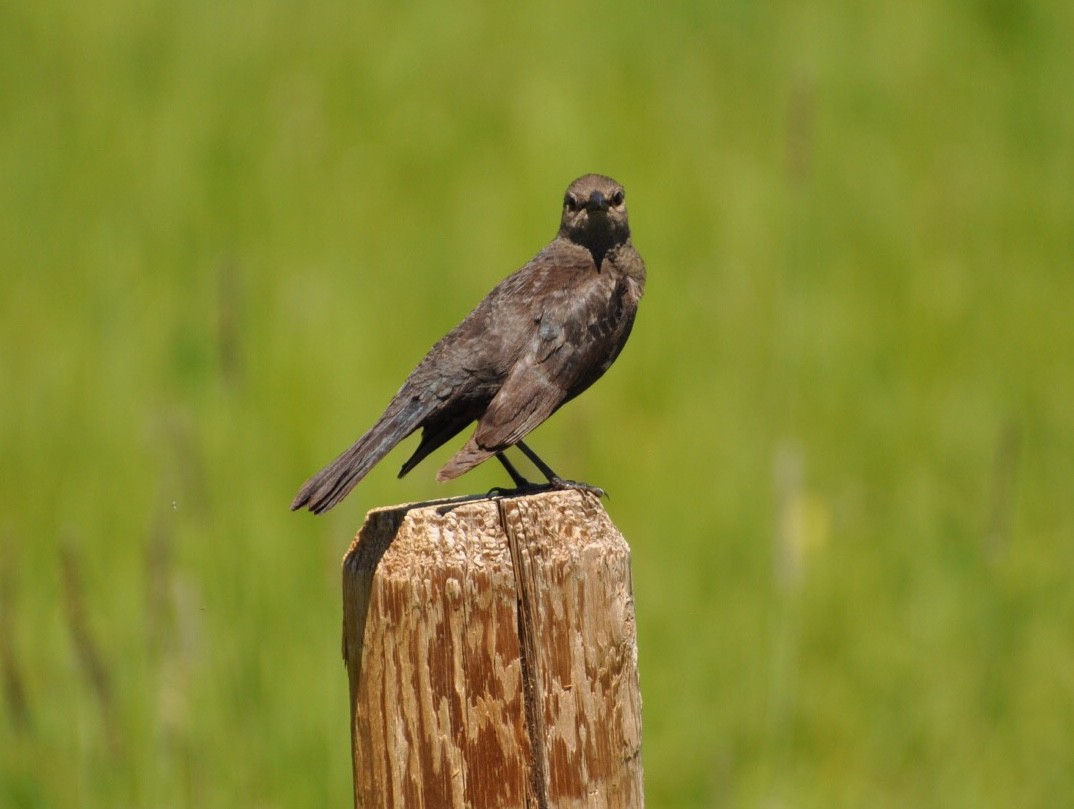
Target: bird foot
<point>555,485</point>
<point>577,486</point>
<point>520,490</point>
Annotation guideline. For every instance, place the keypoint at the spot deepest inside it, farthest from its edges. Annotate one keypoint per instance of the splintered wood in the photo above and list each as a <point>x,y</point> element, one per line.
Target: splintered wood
<point>492,656</point>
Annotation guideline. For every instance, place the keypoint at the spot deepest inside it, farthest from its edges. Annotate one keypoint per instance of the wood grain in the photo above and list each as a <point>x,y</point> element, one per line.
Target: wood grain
<point>492,656</point>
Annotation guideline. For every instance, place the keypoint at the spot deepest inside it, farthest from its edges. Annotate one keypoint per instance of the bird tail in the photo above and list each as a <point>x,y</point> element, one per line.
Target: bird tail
<point>334,482</point>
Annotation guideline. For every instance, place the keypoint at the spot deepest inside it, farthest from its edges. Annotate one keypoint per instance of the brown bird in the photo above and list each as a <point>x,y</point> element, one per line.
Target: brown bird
<point>541,337</point>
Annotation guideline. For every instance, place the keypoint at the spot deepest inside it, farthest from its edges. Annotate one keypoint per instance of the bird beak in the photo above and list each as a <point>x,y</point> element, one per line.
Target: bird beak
<point>596,202</point>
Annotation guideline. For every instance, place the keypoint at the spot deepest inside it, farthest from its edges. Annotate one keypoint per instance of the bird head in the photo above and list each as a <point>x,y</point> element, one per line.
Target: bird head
<point>594,211</point>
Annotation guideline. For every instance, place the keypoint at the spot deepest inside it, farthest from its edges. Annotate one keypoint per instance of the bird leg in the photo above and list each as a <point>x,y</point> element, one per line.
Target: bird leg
<point>516,476</point>
<point>522,486</point>
<point>554,480</point>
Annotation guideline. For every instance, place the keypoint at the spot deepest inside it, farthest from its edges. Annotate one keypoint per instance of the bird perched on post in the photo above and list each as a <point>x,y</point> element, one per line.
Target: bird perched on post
<point>541,337</point>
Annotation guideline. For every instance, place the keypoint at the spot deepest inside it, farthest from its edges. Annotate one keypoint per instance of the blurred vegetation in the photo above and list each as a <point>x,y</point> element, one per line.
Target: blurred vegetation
<point>840,441</point>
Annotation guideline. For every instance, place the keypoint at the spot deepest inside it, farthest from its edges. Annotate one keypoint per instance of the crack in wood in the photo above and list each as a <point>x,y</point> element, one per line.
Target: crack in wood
<point>531,675</point>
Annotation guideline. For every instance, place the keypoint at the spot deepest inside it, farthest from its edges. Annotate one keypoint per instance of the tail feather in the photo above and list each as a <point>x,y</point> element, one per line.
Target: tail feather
<point>464,460</point>
<point>334,482</point>
<point>433,437</point>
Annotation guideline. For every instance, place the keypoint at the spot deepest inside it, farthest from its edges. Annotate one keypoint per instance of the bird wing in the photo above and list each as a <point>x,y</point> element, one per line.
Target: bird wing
<point>579,333</point>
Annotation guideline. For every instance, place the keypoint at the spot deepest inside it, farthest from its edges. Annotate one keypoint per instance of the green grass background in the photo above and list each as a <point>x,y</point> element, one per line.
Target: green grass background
<point>840,442</point>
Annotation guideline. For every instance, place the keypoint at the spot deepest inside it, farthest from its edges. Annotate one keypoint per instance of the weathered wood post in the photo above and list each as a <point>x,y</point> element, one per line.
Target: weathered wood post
<point>492,656</point>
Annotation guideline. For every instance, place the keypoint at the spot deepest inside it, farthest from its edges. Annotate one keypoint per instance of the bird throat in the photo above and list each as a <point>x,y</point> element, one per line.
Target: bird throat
<point>599,244</point>
<point>598,252</point>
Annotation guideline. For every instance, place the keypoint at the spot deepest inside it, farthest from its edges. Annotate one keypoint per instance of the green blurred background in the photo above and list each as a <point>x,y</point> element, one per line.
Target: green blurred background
<point>840,442</point>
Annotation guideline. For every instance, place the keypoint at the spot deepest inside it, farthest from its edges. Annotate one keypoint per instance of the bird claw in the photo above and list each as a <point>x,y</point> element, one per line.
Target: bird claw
<point>577,486</point>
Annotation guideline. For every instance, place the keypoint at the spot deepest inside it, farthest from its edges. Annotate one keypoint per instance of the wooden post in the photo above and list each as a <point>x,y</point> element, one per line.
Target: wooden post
<point>492,656</point>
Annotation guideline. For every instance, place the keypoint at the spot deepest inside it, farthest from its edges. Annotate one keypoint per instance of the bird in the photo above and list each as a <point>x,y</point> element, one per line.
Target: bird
<point>541,337</point>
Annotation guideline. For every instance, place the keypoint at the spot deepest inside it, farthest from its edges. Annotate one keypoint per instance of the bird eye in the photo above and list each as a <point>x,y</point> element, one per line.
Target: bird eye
<point>618,197</point>
<point>570,202</point>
